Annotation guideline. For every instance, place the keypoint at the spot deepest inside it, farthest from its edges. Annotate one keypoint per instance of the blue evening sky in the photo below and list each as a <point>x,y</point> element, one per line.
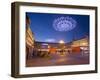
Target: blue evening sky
<point>42,27</point>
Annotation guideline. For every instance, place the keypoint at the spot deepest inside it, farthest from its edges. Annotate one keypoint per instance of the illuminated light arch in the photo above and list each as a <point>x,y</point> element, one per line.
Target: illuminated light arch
<point>64,24</point>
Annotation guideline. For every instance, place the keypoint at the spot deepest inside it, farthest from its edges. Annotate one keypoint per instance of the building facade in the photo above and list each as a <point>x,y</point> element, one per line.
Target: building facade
<point>51,48</point>
<point>81,42</point>
<point>29,39</point>
<point>80,45</point>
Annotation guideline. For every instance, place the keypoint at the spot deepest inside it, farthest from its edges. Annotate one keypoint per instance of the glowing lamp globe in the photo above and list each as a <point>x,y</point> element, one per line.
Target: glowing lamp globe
<point>61,42</point>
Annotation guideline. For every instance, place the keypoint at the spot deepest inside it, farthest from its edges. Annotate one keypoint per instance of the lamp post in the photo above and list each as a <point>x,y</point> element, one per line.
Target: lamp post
<point>61,42</point>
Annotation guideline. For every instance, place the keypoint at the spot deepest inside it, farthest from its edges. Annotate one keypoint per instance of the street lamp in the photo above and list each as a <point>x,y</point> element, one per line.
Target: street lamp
<point>61,42</point>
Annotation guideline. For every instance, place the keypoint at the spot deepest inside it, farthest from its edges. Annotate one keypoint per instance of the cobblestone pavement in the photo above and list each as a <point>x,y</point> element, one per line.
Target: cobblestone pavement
<point>58,59</point>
